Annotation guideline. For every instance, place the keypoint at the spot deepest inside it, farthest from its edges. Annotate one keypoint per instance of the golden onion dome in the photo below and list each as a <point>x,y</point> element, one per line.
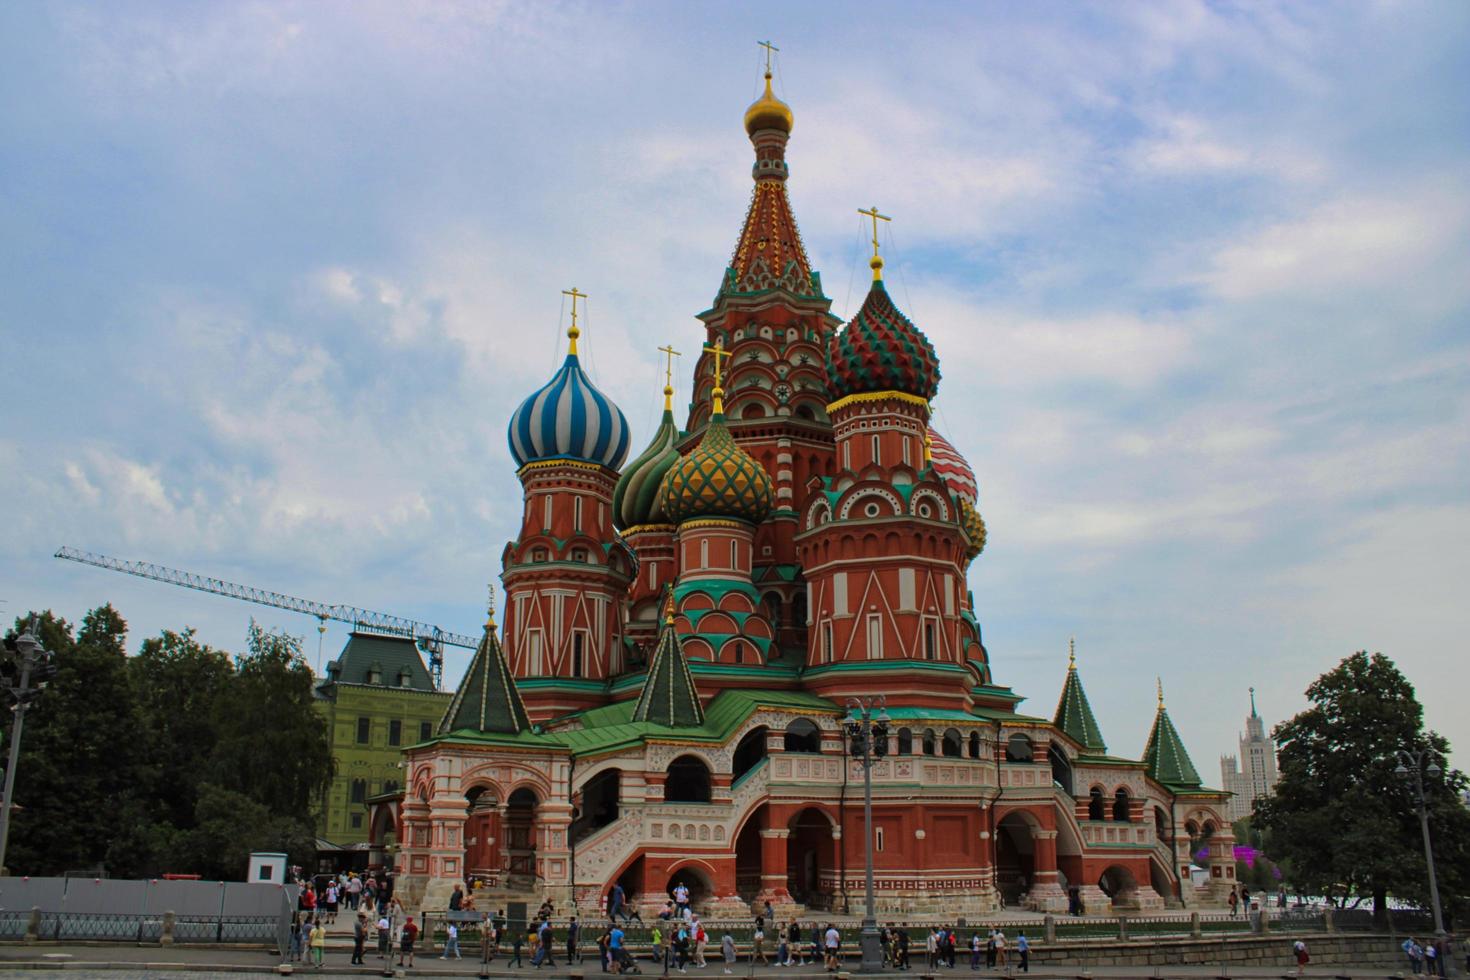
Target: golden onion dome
<point>974,528</point>
<point>718,479</point>
<point>768,112</point>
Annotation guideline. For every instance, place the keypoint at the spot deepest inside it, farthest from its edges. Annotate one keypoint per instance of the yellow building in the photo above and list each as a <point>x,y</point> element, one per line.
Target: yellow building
<point>378,698</point>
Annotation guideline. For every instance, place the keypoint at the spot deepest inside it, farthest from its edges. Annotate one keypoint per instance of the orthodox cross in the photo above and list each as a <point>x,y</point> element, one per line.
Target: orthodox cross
<point>1160,682</point>
<point>490,607</point>
<point>1072,652</point>
<point>718,351</point>
<point>876,262</point>
<point>572,331</point>
<point>670,354</point>
<point>770,48</point>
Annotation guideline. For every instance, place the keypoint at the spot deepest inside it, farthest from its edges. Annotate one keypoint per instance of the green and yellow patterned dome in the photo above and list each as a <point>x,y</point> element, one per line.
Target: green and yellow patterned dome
<point>718,479</point>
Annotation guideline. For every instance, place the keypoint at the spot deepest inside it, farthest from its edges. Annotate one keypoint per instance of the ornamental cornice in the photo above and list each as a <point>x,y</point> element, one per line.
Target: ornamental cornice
<point>718,522</point>
<point>649,529</point>
<point>877,396</point>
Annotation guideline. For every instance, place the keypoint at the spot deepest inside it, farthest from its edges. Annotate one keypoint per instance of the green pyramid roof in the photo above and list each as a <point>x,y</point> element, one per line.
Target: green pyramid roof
<point>1074,715</point>
<point>669,696</point>
<point>487,699</point>
<point>1165,757</point>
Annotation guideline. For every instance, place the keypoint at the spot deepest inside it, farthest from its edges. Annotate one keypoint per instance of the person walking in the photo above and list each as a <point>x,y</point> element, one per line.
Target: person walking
<point>931,949</point>
<point>903,948</point>
<point>793,937</point>
<point>1023,950</point>
<point>451,941</point>
<point>516,941</point>
<point>545,950</point>
<point>758,943</point>
<point>832,941</point>
<point>1299,949</point>
<point>681,946</point>
<point>359,938</point>
<point>1000,947</point>
<point>615,900</point>
<point>385,937</point>
<point>574,933</point>
<point>406,937</point>
<point>977,949</point>
<point>1234,901</point>
<point>318,943</point>
<point>293,951</point>
<point>990,950</point>
<point>701,940</point>
<point>615,951</point>
<point>727,949</point>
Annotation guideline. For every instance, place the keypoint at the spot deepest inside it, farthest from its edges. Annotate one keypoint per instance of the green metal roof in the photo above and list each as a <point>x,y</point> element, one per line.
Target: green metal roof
<point>487,699</point>
<point>669,696</point>
<point>1165,757</point>
<point>395,658</point>
<point>1074,715</point>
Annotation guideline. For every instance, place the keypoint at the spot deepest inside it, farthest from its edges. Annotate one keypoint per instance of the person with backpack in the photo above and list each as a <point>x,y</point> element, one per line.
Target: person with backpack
<point>405,941</point>
<point>1299,949</point>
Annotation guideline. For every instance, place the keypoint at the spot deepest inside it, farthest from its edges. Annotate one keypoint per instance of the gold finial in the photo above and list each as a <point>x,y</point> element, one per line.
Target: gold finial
<point>876,262</point>
<point>572,331</point>
<point>718,350</point>
<point>1160,682</point>
<point>669,607</point>
<point>768,112</point>
<point>1072,653</point>
<point>490,608</point>
<point>670,353</point>
<point>928,448</point>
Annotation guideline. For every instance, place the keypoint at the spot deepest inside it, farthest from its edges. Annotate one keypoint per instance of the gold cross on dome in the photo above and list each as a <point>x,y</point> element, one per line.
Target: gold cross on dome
<point>718,351</point>
<point>670,353</point>
<point>572,331</point>
<point>770,49</point>
<point>876,262</point>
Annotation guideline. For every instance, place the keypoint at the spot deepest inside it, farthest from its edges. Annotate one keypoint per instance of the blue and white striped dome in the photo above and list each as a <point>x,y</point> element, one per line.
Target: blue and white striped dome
<point>568,418</point>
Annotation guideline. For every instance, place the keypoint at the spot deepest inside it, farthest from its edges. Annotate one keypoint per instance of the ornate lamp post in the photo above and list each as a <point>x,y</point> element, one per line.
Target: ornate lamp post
<point>868,738</point>
<point>1412,765</point>
<point>24,676</point>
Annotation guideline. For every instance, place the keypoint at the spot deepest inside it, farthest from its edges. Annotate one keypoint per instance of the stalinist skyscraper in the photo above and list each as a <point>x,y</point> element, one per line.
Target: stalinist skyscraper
<point>1254,774</point>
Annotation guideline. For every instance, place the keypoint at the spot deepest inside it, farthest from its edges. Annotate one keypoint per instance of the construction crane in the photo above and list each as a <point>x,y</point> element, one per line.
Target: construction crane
<point>429,638</point>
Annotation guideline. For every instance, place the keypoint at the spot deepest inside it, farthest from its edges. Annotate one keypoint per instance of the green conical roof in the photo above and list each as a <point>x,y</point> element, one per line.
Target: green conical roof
<point>1165,757</point>
<point>1074,714</point>
<point>669,697</point>
<point>487,699</point>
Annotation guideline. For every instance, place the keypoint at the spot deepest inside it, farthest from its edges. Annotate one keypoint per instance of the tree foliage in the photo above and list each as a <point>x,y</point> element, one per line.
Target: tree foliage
<point>180,758</point>
<point>1340,818</point>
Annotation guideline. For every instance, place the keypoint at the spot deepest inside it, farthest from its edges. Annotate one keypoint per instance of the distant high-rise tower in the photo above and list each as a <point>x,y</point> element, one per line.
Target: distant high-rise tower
<point>1253,774</point>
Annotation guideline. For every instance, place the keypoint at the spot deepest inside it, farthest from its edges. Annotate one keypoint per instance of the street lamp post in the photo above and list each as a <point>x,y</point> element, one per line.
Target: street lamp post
<point>868,738</point>
<point>1412,765</point>
<point>24,678</point>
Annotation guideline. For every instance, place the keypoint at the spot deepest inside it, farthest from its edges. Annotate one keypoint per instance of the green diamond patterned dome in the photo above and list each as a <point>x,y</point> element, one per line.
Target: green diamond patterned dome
<point>881,350</point>
<point>718,479</point>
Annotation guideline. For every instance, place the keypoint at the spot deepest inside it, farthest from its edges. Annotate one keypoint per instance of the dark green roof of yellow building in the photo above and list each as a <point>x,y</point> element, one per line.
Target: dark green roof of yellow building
<point>382,661</point>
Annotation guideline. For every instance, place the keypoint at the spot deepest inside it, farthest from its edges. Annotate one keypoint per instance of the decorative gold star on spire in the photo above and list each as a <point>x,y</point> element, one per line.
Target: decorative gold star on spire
<point>718,352</point>
<point>876,262</point>
<point>670,353</point>
<point>572,331</point>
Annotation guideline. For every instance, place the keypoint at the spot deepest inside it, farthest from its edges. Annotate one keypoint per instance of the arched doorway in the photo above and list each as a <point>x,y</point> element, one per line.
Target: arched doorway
<point>632,880</point>
<point>481,833</point>
<point>750,751</point>
<point>749,857</point>
<point>688,781</point>
<point>697,880</point>
<point>599,804</point>
<point>811,864</point>
<point>1160,878</point>
<point>1061,769</point>
<point>520,834</point>
<point>1015,858</point>
<point>1121,887</point>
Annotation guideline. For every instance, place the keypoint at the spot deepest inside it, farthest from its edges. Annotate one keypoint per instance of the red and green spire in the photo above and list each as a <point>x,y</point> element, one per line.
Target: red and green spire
<point>1074,714</point>
<point>1165,757</point>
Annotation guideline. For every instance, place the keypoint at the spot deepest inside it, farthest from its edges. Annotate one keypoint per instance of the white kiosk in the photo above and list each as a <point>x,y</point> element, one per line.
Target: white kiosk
<point>267,867</point>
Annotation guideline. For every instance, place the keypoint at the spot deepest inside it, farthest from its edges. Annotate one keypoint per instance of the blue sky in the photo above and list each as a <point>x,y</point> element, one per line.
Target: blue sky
<point>1199,276</point>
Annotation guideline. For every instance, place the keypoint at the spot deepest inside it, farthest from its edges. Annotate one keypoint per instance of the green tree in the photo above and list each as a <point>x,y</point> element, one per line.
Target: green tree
<point>1340,817</point>
<point>79,755</point>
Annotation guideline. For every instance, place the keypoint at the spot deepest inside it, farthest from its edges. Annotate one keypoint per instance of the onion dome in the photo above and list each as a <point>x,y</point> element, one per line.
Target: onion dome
<point>881,350</point>
<point>718,479</point>
<point>952,468</point>
<point>568,418</point>
<point>974,527</point>
<point>768,112</point>
<point>638,497</point>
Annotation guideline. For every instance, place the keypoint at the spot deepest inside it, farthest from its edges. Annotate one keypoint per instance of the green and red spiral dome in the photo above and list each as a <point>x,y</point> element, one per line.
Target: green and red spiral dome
<point>881,350</point>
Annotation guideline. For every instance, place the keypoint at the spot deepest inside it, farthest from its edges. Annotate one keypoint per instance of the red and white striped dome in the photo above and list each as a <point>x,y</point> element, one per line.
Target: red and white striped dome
<point>953,469</point>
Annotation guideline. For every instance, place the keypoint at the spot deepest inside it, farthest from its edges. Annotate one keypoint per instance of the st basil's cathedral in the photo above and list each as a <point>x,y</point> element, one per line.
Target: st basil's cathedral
<point>683,634</point>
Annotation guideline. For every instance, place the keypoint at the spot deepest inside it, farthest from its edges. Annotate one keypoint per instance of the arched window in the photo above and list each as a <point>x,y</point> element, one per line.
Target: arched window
<point>802,735</point>
<point>749,752</point>
<point>1018,748</point>
<point>951,746</point>
<point>1061,769</point>
<point>929,741</point>
<point>1120,806</point>
<point>905,742</point>
<point>974,745</point>
<point>687,781</point>
<point>1095,806</point>
<point>359,790</point>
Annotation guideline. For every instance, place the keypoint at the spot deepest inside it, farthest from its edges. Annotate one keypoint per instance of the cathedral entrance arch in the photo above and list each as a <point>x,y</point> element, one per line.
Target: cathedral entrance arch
<point>520,833</point>
<point>811,857</point>
<point>696,878</point>
<point>482,832</point>
<point>1015,857</point>
<point>1121,887</point>
<point>750,854</point>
